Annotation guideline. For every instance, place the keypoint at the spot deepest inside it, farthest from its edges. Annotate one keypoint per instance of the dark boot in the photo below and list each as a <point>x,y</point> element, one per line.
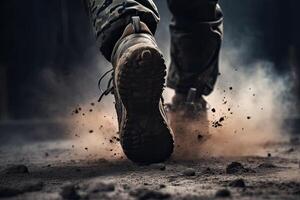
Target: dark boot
<point>139,77</point>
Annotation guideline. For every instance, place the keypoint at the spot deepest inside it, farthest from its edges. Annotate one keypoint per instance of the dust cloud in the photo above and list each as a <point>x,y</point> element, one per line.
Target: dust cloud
<point>246,111</point>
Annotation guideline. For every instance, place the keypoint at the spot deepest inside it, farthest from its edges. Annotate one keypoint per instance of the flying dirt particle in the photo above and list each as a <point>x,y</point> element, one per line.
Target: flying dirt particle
<point>79,108</point>
<point>92,104</point>
<point>73,146</point>
<point>225,102</point>
<point>239,183</point>
<point>231,113</point>
<point>189,172</point>
<point>69,191</point>
<point>223,193</point>
<point>86,148</point>
<point>83,114</point>
<point>76,111</point>
<point>46,154</point>
<point>248,117</point>
<point>104,116</point>
<point>49,165</point>
<point>254,95</point>
<point>16,169</point>
<point>91,131</point>
<point>230,88</point>
<point>144,193</point>
<point>221,119</point>
<point>91,110</point>
<point>216,124</point>
<point>213,110</point>
<point>269,155</point>
<point>77,135</point>
<point>229,109</point>
<point>200,137</point>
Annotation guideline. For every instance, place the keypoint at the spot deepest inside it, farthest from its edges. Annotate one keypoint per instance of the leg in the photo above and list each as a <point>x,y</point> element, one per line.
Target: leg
<point>110,17</point>
<point>124,30</point>
<point>196,35</point>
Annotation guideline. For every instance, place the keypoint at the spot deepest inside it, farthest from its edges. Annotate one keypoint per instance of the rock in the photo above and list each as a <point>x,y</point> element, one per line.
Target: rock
<point>96,187</point>
<point>235,167</point>
<point>159,166</point>
<point>145,194</point>
<point>69,191</point>
<point>16,169</point>
<point>223,193</point>
<point>189,172</point>
<point>267,166</point>
<point>16,189</point>
<point>238,183</point>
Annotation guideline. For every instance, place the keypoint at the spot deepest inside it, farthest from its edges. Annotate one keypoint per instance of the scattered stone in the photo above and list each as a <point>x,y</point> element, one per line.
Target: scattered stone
<point>267,166</point>
<point>16,169</point>
<point>223,193</point>
<point>20,188</point>
<point>240,183</point>
<point>159,166</point>
<point>69,191</point>
<point>213,110</point>
<point>235,167</point>
<point>145,194</point>
<point>99,186</point>
<point>189,172</point>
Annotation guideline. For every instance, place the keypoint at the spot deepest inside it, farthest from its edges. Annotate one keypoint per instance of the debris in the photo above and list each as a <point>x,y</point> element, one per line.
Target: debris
<point>69,191</point>
<point>99,186</point>
<point>159,166</point>
<point>189,172</point>
<point>16,169</point>
<point>267,166</point>
<point>238,183</point>
<point>248,117</point>
<point>145,194</point>
<point>230,88</point>
<point>16,189</point>
<point>269,155</point>
<point>91,131</point>
<point>223,193</point>
<point>236,167</point>
<point>213,110</point>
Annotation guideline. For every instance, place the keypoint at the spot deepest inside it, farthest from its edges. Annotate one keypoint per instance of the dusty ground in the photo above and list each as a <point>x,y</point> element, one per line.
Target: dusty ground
<point>55,171</point>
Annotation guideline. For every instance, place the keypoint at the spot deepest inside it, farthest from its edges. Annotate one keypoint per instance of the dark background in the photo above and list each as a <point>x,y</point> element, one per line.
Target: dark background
<point>49,61</point>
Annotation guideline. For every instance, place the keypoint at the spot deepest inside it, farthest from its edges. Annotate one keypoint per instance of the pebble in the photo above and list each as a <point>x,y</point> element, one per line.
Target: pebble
<point>189,172</point>
<point>16,169</point>
<point>145,194</point>
<point>69,191</point>
<point>235,167</point>
<point>240,183</point>
<point>159,166</point>
<point>223,193</point>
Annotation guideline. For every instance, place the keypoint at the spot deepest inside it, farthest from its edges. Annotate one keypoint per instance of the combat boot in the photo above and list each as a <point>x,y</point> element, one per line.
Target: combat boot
<point>189,121</point>
<point>139,78</point>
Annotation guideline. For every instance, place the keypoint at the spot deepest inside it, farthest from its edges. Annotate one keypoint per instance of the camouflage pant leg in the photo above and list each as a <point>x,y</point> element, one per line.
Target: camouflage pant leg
<point>196,36</point>
<point>110,17</point>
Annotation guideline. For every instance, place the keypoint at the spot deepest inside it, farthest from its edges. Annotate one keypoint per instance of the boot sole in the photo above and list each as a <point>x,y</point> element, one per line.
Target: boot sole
<point>145,135</point>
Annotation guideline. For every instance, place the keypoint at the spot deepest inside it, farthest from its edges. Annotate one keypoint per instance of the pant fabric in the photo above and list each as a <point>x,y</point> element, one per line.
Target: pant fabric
<point>196,36</point>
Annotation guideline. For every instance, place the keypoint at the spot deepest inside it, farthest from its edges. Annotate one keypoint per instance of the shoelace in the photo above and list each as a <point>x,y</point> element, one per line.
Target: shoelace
<point>109,87</point>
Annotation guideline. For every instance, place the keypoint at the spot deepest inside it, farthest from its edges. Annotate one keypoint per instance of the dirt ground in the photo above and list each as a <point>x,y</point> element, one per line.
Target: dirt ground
<point>51,170</point>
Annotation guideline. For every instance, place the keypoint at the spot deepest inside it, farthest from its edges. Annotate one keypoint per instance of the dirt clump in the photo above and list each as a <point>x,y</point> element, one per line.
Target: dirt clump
<point>223,193</point>
<point>16,169</point>
<point>238,183</point>
<point>189,172</point>
<point>69,191</point>
<point>236,168</point>
<point>17,189</point>
<point>145,194</point>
